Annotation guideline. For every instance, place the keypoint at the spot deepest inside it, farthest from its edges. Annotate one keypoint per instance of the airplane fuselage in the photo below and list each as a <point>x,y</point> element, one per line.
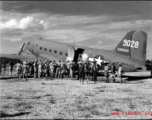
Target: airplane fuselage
<point>59,51</point>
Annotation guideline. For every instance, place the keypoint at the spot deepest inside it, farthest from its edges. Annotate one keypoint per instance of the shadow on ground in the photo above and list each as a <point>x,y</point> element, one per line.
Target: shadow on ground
<point>4,115</point>
<point>132,78</point>
<point>11,77</point>
<point>43,83</point>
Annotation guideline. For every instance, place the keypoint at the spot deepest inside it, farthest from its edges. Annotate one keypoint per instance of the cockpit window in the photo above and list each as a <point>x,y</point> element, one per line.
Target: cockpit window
<point>66,54</point>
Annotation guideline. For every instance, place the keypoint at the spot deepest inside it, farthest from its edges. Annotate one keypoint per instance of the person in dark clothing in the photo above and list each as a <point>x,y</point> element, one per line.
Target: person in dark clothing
<point>58,69</point>
<point>113,71</point>
<point>74,69</point>
<point>81,72</point>
<point>59,72</point>
<point>68,64</point>
<point>151,68</point>
<point>32,70</point>
<point>63,70</point>
<point>0,67</point>
<point>55,67</point>
<point>47,68</point>
<point>94,71</point>
<point>77,67</point>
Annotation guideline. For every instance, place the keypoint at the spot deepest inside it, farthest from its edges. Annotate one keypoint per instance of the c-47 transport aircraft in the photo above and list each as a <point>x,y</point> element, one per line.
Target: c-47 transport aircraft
<point>131,51</point>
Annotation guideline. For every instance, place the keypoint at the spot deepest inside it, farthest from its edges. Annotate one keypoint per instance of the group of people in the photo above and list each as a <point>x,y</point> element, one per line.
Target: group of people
<point>58,69</point>
<point>69,69</point>
<point>3,66</point>
<point>50,69</point>
<point>22,68</point>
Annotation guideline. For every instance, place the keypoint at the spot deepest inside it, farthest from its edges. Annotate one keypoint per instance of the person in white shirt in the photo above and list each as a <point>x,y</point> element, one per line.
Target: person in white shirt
<point>40,70</point>
<point>19,69</point>
<point>35,68</point>
<point>51,67</point>
<point>106,72</point>
<point>120,72</point>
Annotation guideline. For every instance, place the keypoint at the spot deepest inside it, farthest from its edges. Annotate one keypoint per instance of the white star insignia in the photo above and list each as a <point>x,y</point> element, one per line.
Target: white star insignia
<point>99,60</point>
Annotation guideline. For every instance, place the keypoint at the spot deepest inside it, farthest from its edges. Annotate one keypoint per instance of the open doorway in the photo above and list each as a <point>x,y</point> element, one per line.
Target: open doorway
<point>77,52</point>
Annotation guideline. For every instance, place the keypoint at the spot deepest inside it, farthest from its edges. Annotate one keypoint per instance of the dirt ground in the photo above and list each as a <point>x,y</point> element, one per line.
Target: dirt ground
<point>69,99</point>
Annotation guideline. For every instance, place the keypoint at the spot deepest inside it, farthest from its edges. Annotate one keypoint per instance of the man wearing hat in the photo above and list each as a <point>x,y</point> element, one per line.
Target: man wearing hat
<point>25,69</point>
<point>19,69</point>
<point>94,71</point>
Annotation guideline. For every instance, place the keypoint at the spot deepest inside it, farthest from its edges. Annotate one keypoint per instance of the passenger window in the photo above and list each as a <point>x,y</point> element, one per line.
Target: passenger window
<point>50,50</point>
<point>45,49</point>
<point>55,51</point>
<point>28,43</point>
<point>40,48</point>
<point>60,53</point>
<point>66,54</point>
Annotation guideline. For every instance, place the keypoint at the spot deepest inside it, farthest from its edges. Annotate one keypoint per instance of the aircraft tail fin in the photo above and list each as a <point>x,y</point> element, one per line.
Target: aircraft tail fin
<point>133,45</point>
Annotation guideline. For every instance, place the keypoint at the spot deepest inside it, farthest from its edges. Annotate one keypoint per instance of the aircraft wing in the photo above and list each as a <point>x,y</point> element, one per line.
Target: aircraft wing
<point>14,57</point>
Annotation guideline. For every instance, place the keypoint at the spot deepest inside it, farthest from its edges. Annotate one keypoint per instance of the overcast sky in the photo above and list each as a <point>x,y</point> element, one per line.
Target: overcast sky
<point>96,24</point>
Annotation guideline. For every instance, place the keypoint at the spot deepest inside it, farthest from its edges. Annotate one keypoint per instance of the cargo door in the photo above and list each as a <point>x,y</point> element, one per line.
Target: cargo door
<point>71,53</point>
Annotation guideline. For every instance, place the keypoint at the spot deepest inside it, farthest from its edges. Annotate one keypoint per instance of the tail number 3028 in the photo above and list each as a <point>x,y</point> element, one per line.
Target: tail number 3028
<point>132,44</point>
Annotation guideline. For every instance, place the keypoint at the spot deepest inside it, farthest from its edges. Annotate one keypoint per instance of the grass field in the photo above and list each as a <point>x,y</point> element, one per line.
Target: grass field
<point>68,99</point>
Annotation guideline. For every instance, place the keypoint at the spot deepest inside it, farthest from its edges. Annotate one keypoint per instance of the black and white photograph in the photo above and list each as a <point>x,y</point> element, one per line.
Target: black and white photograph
<point>76,59</point>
